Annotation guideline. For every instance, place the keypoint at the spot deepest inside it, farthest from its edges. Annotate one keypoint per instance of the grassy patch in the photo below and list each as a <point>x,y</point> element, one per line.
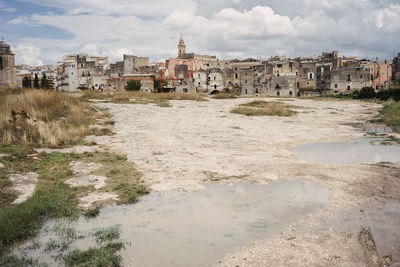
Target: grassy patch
<point>43,118</point>
<point>391,114</point>
<point>224,96</point>
<point>103,256</point>
<point>92,213</point>
<point>263,108</point>
<point>108,234</point>
<point>127,97</point>
<point>20,221</point>
<point>122,176</point>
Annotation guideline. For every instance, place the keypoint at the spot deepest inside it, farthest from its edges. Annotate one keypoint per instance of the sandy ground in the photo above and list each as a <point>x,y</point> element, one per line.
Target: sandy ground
<point>194,143</point>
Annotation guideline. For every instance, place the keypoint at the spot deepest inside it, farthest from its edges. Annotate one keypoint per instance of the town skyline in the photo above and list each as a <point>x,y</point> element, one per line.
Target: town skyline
<point>43,32</point>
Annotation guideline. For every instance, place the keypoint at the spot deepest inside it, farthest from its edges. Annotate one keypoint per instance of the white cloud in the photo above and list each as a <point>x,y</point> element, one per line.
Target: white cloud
<point>10,10</point>
<point>28,54</point>
<point>250,29</point>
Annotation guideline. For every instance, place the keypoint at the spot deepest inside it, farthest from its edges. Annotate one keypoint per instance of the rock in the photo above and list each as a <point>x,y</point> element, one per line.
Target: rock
<point>24,184</point>
<point>81,168</point>
<point>90,180</point>
<point>30,177</point>
<point>75,149</point>
<point>97,198</point>
<point>1,165</point>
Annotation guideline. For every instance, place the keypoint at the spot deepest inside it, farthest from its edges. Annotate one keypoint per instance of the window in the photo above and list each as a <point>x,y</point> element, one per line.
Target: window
<point>278,93</point>
<point>361,76</point>
<point>245,82</point>
<point>199,75</point>
<point>349,77</point>
<point>246,91</point>
<point>290,93</point>
<point>336,85</point>
<point>348,87</point>
<point>236,75</point>
<point>215,78</point>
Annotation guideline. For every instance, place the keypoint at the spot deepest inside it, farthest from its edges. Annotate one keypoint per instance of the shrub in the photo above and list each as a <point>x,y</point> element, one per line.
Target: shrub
<point>366,93</point>
<point>133,85</point>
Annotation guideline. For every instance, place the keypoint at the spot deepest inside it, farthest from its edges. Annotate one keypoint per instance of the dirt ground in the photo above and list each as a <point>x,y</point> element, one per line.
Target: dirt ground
<point>195,143</point>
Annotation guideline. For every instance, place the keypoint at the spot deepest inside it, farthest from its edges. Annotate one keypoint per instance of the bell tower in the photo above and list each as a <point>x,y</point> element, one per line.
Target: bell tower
<point>181,47</point>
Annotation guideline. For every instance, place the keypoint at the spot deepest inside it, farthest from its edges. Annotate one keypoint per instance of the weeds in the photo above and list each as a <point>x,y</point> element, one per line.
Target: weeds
<point>224,96</point>
<point>263,108</point>
<point>126,97</point>
<point>103,256</point>
<point>108,234</point>
<point>42,118</point>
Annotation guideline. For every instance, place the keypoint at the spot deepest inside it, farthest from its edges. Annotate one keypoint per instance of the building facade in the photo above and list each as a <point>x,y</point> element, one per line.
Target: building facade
<point>7,66</point>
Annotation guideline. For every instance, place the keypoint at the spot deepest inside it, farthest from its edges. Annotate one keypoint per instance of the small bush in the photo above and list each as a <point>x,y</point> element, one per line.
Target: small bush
<point>366,93</point>
<point>133,85</point>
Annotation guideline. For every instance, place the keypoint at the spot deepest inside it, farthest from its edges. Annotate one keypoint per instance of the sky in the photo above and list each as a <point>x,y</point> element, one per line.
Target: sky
<point>43,31</point>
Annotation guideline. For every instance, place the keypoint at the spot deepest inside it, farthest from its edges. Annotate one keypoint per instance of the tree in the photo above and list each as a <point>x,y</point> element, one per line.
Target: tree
<point>44,83</point>
<point>36,82</point>
<point>133,85</point>
<point>26,82</point>
<point>366,93</point>
<point>157,85</point>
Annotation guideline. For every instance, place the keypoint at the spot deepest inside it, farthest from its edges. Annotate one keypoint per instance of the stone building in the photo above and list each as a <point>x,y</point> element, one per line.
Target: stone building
<point>346,80</point>
<point>118,84</point>
<point>7,66</point>
<point>282,85</point>
<point>193,61</point>
<point>200,81</point>
<point>82,71</point>
<point>382,75</point>
<point>130,65</point>
<point>216,81</point>
<point>396,69</point>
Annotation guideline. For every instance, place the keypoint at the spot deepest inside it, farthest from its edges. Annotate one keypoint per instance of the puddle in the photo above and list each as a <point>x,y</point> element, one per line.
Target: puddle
<point>178,228</point>
<point>372,127</point>
<point>361,151</point>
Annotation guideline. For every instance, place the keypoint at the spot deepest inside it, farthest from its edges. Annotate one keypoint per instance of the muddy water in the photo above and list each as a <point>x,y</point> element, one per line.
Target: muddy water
<point>178,228</point>
<point>361,151</point>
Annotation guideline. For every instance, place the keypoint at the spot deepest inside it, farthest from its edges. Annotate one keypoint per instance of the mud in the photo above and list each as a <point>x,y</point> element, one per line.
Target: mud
<point>195,143</point>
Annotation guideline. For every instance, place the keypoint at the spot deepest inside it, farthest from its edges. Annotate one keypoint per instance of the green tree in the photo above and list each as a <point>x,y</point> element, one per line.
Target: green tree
<point>44,83</point>
<point>133,85</point>
<point>366,93</point>
<point>157,86</point>
<point>26,82</point>
<point>36,82</point>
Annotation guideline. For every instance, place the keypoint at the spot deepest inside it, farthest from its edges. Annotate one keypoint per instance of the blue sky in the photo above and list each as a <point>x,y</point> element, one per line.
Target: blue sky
<point>42,31</point>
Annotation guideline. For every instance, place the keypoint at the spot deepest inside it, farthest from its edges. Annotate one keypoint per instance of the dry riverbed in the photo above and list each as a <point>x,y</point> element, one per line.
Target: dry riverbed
<point>195,143</point>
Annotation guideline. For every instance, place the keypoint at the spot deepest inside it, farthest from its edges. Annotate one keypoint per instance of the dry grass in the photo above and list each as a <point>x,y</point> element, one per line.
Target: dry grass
<point>42,118</point>
<point>263,108</point>
<point>127,97</point>
<point>224,96</point>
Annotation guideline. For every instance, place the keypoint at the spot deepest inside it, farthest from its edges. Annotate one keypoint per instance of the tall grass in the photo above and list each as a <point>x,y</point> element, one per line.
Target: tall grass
<point>263,108</point>
<point>40,117</point>
<point>391,114</point>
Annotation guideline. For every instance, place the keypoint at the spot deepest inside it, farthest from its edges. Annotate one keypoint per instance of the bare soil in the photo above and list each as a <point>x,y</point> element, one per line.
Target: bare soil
<point>195,143</point>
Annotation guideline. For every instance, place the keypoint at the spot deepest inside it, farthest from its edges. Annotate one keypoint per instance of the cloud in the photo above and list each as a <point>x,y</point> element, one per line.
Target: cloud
<point>28,54</point>
<point>227,28</point>
<point>10,10</point>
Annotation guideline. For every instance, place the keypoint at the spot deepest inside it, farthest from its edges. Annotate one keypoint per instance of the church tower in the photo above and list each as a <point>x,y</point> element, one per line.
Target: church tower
<point>181,48</point>
<point>7,66</point>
